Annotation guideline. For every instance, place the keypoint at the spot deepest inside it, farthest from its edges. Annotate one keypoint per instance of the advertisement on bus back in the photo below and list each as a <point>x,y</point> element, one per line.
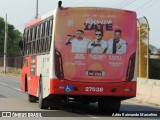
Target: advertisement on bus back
<point>95,44</point>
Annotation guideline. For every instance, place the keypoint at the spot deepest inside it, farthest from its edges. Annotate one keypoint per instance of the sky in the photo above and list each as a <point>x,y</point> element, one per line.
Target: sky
<point>19,12</point>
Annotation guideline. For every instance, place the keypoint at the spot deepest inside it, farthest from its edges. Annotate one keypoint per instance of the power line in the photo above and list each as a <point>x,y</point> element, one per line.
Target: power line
<point>143,5</point>
<point>148,7</point>
<point>129,2</point>
<point>120,3</point>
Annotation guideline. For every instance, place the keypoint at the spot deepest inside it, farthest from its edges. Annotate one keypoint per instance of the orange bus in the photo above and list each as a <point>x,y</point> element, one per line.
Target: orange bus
<point>83,54</point>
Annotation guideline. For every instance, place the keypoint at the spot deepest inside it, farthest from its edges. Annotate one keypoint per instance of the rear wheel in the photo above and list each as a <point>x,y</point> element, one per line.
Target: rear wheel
<point>40,95</point>
<point>32,98</point>
<point>109,105</point>
<point>55,102</point>
<point>85,102</point>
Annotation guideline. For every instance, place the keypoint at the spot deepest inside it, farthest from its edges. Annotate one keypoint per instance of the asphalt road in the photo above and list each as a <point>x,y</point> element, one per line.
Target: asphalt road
<point>12,99</point>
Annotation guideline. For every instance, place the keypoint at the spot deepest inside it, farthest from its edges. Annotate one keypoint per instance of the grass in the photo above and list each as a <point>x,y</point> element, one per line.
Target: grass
<point>13,73</point>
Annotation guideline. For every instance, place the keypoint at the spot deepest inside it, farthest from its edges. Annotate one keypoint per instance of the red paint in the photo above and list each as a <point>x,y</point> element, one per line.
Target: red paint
<point>32,22</point>
<point>33,80</point>
<point>56,87</point>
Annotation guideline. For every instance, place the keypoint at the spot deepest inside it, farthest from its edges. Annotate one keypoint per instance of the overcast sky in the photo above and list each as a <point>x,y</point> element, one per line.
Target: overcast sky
<point>21,11</point>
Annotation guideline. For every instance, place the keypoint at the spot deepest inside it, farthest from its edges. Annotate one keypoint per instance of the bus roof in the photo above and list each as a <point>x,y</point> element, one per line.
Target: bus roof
<point>35,21</point>
<point>66,8</point>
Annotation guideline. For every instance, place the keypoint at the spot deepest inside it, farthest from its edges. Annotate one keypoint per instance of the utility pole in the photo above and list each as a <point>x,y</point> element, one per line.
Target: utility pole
<point>5,45</point>
<point>36,10</point>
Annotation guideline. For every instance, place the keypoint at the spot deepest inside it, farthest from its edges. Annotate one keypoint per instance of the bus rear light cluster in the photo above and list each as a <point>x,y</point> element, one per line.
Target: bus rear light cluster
<point>58,65</point>
<point>131,67</point>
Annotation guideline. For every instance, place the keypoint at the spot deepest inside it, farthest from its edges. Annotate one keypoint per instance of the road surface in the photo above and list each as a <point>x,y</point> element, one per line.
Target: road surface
<point>12,99</point>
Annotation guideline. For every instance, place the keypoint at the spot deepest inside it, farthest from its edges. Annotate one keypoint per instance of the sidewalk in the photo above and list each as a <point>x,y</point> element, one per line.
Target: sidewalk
<point>11,75</point>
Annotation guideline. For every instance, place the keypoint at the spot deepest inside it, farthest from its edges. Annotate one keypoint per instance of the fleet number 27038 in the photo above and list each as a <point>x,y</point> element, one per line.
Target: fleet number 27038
<point>94,89</point>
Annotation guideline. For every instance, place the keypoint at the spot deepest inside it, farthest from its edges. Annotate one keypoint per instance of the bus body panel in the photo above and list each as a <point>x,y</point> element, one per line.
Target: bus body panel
<point>65,87</point>
<point>25,72</point>
<point>30,80</point>
<point>95,67</point>
<point>43,66</point>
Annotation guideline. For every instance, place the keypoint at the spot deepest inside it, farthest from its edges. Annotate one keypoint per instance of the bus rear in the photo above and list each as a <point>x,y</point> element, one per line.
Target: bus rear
<point>94,56</point>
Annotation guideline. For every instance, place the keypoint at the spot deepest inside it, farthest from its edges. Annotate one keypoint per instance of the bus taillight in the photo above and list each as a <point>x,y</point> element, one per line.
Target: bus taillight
<point>131,66</point>
<point>58,65</point>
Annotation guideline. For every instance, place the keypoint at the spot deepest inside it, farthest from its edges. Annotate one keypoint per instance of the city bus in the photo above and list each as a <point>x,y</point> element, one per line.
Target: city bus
<point>81,54</point>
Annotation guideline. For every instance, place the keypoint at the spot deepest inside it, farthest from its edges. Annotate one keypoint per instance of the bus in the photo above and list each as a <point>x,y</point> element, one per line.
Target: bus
<point>81,54</point>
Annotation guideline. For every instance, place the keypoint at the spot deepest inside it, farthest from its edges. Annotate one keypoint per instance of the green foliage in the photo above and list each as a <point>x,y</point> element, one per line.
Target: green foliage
<point>2,27</point>
<point>154,69</point>
<point>12,40</point>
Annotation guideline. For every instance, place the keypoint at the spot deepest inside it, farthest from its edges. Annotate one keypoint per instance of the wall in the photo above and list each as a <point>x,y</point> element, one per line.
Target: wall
<point>148,91</point>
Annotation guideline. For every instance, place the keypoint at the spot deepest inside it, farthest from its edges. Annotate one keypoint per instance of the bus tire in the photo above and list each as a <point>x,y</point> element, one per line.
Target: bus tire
<point>32,98</point>
<point>85,102</point>
<point>109,105</point>
<point>41,100</point>
<point>55,102</point>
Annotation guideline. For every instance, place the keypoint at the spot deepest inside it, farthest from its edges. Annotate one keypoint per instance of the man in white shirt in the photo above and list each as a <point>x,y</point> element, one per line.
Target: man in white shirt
<point>79,44</point>
<point>116,45</point>
<point>98,45</point>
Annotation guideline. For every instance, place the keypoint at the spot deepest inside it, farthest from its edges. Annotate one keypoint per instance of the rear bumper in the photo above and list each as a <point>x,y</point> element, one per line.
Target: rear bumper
<point>65,87</point>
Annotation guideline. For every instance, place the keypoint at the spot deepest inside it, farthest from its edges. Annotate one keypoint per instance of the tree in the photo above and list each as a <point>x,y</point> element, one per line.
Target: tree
<point>154,69</point>
<point>13,38</point>
<point>2,27</point>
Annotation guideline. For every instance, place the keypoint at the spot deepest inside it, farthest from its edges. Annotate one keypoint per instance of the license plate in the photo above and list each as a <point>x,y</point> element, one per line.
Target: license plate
<point>95,73</point>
